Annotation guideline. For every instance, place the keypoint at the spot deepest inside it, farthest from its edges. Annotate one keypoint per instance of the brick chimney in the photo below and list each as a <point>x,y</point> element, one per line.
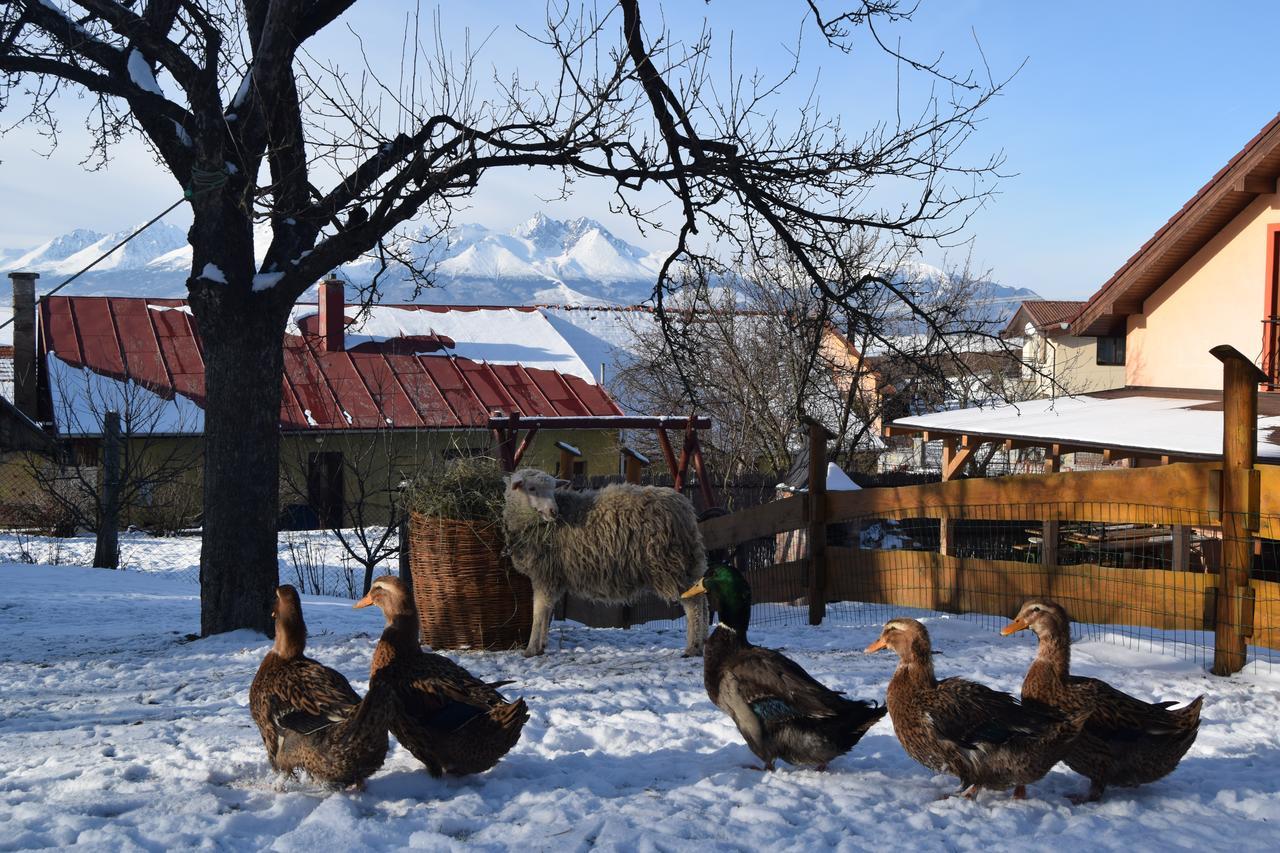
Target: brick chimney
<point>332,321</point>
<point>24,342</point>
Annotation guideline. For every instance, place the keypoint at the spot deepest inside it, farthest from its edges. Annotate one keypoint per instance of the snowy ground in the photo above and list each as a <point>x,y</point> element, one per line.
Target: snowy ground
<point>117,731</point>
<point>312,560</point>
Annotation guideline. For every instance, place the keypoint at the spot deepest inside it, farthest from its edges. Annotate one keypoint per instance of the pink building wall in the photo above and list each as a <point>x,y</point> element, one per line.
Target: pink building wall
<point>1217,297</point>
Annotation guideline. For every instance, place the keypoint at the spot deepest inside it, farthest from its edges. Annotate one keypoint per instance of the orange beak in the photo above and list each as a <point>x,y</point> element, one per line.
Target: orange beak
<point>876,646</point>
<point>364,602</point>
<point>1014,627</point>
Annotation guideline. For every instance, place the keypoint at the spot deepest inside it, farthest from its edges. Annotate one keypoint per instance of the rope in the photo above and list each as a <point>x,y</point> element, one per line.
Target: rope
<point>186,195</point>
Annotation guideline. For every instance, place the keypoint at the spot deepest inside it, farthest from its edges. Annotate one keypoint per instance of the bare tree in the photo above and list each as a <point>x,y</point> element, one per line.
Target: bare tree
<point>159,453</point>
<point>366,509</point>
<point>250,125</point>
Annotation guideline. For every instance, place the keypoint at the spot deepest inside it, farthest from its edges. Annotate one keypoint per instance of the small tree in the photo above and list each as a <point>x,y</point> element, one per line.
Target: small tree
<point>157,454</point>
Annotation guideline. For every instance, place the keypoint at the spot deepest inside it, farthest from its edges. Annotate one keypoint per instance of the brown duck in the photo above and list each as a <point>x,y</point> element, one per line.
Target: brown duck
<point>1125,740</point>
<point>450,720</point>
<point>984,736</point>
<point>308,715</point>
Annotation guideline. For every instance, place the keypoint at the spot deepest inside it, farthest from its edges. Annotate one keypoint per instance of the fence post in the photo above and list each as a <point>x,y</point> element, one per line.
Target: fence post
<point>106,554</point>
<point>817,513</point>
<point>1233,611</point>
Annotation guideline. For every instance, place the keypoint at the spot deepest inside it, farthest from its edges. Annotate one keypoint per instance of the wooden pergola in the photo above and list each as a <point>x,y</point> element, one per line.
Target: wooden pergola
<point>514,435</point>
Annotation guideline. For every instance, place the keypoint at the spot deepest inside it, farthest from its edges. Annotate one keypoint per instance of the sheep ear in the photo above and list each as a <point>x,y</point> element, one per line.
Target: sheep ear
<point>563,484</point>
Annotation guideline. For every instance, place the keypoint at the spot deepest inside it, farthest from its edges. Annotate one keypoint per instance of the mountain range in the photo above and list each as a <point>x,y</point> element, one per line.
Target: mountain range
<point>542,260</point>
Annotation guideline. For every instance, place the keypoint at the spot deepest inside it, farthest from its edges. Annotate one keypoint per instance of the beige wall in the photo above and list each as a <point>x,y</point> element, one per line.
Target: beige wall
<point>1217,297</point>
<point>1068,362</point>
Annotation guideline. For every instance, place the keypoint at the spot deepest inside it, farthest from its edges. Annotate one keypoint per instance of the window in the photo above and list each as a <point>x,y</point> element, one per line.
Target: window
<point>324,487</point>
<point>1111,350</point>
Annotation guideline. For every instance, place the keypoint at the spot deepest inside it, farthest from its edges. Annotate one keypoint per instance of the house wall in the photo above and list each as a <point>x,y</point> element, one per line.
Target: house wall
<point>1217,297</point>
<point>1070,362</point>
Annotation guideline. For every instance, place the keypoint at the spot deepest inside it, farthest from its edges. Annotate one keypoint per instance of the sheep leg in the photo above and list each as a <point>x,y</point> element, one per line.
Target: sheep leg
<point>695,616</point>
<point>543,604</point>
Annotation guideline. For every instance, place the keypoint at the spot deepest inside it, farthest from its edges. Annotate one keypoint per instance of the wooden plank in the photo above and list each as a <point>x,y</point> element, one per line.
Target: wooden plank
<point>754,523</point>
<point>1154,598</point>
<point>1170,494</point>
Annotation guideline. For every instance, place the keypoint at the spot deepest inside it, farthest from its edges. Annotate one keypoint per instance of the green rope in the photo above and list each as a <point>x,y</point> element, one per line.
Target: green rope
<point>204,180</point>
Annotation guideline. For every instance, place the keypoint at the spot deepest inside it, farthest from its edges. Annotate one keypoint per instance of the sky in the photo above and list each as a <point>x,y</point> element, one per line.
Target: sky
<point>1117,113</point>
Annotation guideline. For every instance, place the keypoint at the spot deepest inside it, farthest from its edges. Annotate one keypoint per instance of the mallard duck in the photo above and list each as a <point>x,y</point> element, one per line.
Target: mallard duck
<point>450,720</point>
<point>1125,740</point>
<point>781,711</point>
<point>986,737</point>
<point>308,715</point>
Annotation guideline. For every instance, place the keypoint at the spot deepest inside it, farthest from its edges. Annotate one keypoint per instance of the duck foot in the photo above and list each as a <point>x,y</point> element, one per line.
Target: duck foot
<point>821,768</point>
<point>968,793</point>
<point>1020,792</point>
<point>1093,795</point>
<point>767,768</point>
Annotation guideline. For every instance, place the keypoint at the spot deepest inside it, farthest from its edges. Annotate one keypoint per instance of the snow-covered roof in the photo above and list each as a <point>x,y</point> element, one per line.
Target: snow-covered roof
<point>489,335</point>
<point>1159,422</point>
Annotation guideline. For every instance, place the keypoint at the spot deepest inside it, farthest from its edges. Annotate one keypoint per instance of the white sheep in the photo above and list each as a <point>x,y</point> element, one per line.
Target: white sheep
<point>608,546</point>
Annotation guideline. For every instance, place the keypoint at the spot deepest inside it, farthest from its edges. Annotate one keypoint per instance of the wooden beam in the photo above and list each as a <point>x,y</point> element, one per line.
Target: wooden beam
<point>955,457</point>
<point>668,454</point>
<point>1254,184</point>
<point>1180,548</point>
<point>704,479</point>
<point>894,430</point>
<point>525,444</point>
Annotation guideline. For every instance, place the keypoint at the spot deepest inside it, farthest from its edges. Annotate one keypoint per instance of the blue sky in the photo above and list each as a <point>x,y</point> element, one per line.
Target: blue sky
<point>1121,112</point>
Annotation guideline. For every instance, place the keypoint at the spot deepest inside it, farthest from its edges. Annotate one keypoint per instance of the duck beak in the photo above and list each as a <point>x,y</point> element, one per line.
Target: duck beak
<point>696,589</point>
<point>364,602</point>
<point>876,646</point>
<point>1014,627</point>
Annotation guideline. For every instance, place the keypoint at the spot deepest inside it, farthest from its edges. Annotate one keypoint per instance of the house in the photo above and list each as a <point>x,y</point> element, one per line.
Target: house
<point>1208,276</point>
<point>393,388</point>
<point>1056,362</point>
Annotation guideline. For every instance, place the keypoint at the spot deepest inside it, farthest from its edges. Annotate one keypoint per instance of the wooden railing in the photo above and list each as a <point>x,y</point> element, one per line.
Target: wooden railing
<point>1234,500</point>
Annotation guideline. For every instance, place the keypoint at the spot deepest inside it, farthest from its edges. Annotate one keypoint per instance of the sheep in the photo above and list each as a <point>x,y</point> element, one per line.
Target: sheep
<point>607,546</point>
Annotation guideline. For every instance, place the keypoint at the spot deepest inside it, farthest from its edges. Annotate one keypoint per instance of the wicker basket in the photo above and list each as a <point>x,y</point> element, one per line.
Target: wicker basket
<point>468,595</point>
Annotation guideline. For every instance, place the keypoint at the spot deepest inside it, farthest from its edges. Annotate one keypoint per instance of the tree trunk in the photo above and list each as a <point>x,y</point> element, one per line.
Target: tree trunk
<point>244,358</point>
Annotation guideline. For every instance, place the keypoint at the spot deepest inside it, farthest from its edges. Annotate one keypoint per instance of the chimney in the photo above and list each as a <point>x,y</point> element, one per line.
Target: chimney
<point>332,321</point>
<point>24,342</point>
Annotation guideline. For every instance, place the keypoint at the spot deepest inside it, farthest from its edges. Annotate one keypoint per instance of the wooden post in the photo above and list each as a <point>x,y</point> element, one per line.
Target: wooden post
<point>1180,555</point>
<point>817,513</point>
<point>704,481</point>
<point>1049,543</point>
<point>947,526</point>
<point>1233,612</point>
<point>525,444</point>
<point>686,453</point>
<point>106,554</point>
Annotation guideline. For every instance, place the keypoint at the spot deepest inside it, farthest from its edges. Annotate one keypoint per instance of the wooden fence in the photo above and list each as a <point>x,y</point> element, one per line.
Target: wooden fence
<point>1234,501</point>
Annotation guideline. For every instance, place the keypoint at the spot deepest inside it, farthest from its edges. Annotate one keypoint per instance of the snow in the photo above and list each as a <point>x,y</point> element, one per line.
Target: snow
<point>243,91</point>
<point>266,280</point>
<point>838,480</point>
<point>122,731</point>
<point>81,397</point>
<point>493,335</point>
<point>1173,425</point>
<point>214,273</point>
<point>141,74</point>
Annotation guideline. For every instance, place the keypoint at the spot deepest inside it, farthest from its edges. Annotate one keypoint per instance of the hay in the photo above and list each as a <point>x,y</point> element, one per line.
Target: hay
<point>466,489</point>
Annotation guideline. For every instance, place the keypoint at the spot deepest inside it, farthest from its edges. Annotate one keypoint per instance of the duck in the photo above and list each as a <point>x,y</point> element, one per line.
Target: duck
<point>1126,742</point>
<point>447,718</point>
<point>309,716</point>
<point>781,711</point>
<point>984,736</point>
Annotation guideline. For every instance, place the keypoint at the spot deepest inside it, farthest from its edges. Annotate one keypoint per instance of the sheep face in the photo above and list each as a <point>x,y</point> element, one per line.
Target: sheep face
<point>536,489</point>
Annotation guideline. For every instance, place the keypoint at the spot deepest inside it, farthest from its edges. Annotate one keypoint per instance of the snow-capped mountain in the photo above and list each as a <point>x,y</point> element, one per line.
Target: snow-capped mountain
<point>542,260</point>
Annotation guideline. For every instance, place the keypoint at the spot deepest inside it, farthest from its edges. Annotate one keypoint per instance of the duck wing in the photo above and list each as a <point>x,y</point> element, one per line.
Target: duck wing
<point>972,715</point>
<point>310,697</point>
<point>442,695</point>
<point>778,690</point>
<point>1116,715</point>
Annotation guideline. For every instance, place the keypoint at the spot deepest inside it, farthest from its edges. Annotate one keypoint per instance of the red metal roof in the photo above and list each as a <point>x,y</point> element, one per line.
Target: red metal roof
<point>374,386</point>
